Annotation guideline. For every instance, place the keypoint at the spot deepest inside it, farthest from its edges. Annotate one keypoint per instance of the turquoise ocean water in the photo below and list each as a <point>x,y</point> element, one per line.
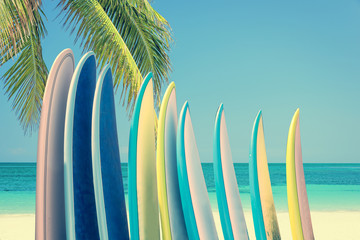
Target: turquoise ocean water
<point>331,187</point>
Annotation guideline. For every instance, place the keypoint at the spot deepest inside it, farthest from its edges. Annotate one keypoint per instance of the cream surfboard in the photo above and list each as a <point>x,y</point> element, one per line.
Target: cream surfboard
<point>108,182</point>
<point>227,191</point>
<point>262,202</point>
<point>194,197</point>
<point>50,214</point>
<point>80,209</point>
<point>171,213</point>
<point>299,211</point>
<point>143,198</point>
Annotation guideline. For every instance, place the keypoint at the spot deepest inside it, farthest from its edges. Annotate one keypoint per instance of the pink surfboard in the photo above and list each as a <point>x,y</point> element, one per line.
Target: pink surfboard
<point>50,205</point>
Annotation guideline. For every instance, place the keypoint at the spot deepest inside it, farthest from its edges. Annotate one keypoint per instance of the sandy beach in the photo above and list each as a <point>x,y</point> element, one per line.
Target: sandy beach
<point>327,225</point>
<point>17,226</point>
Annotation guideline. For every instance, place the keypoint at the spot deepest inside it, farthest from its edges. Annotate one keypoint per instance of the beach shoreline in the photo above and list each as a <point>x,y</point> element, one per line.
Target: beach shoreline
<point>326,225</point>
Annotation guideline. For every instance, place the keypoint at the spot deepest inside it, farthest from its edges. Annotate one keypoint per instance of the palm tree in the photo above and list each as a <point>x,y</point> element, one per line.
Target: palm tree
<point>128,34</point>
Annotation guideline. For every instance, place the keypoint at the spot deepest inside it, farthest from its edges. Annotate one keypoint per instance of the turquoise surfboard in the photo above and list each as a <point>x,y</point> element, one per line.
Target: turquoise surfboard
<point>262,202</point>
<point>194,197</point>
<point>143,198</point>
<point>108,183</point>
<point>50,206</point>
<point>80,208</point>
<point>227,191</point>
<point>171,213</point>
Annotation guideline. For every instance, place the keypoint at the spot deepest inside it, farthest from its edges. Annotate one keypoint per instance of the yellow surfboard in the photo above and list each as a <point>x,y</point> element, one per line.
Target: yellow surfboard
<point>171,213</point>
<point>299,211</point>
<point>143,198</point>
<point>262,202</point>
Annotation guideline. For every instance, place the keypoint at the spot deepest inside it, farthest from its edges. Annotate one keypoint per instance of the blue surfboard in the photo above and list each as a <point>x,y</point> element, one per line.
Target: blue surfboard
<point>194,197</point>
<point>227,191</point>
<point>109,191</point>
<point>80,208</point>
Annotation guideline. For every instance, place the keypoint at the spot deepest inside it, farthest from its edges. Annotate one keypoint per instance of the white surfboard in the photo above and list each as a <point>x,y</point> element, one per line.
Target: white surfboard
<point>194,196</point>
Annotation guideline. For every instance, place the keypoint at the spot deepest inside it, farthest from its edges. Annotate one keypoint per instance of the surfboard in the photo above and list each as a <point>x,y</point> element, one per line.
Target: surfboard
<point>262,202</point>
<point>227,191</point>
<point>171,213</point>
<point>80,208</point>
<point>50,216</point>
<point>194,197</point>
<point>299,211</point>
<point>143,198</point>
<point>108,183</point>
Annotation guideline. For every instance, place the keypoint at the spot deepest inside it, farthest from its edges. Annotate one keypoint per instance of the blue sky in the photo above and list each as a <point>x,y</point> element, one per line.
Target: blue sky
<point>275,56</point>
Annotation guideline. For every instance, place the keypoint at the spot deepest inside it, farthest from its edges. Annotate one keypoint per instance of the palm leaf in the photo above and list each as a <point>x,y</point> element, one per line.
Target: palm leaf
<point>99,34</point>
<point>123,36</point>
<point>146,38</point>
<point>145,7</point>
<point>17,17</point>
<point>25,81</point>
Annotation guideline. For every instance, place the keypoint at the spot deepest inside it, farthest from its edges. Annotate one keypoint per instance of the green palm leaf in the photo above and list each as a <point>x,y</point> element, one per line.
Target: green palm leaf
<point>129,35</point>
<point>25,81</point>
<point>17,17</point>
<point>98,33</point>
<point>146,36</point>
<point>123,36</point>
<point>145,7</point>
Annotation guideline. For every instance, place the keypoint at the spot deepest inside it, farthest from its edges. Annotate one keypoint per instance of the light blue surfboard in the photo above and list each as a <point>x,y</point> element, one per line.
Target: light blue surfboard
<point>194,197</point>
<point>80,208</point>
<point>227,191</point>
<point>109,191</point>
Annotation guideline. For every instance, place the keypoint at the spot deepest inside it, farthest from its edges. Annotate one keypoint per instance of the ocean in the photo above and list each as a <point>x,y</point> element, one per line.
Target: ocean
<point>330,187</point>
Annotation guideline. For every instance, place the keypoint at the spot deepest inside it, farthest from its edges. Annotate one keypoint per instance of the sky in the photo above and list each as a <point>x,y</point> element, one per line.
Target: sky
<point>249,55</point>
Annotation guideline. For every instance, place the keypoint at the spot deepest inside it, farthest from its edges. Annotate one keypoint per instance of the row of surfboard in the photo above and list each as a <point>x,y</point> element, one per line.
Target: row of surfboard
<point>79,189</point>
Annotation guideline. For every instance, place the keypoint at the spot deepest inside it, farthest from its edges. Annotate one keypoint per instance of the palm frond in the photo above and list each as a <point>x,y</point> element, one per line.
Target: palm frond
<point>25,81</point>
<point>17,17</point>
<point>131,42</point>
<point>146,36</point>
<point>97,33</point>
<point>145,7</point>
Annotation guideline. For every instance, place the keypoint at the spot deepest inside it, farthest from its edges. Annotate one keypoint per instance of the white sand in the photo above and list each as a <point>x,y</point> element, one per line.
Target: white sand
<point>326,225</point>
<point>17,226</point>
